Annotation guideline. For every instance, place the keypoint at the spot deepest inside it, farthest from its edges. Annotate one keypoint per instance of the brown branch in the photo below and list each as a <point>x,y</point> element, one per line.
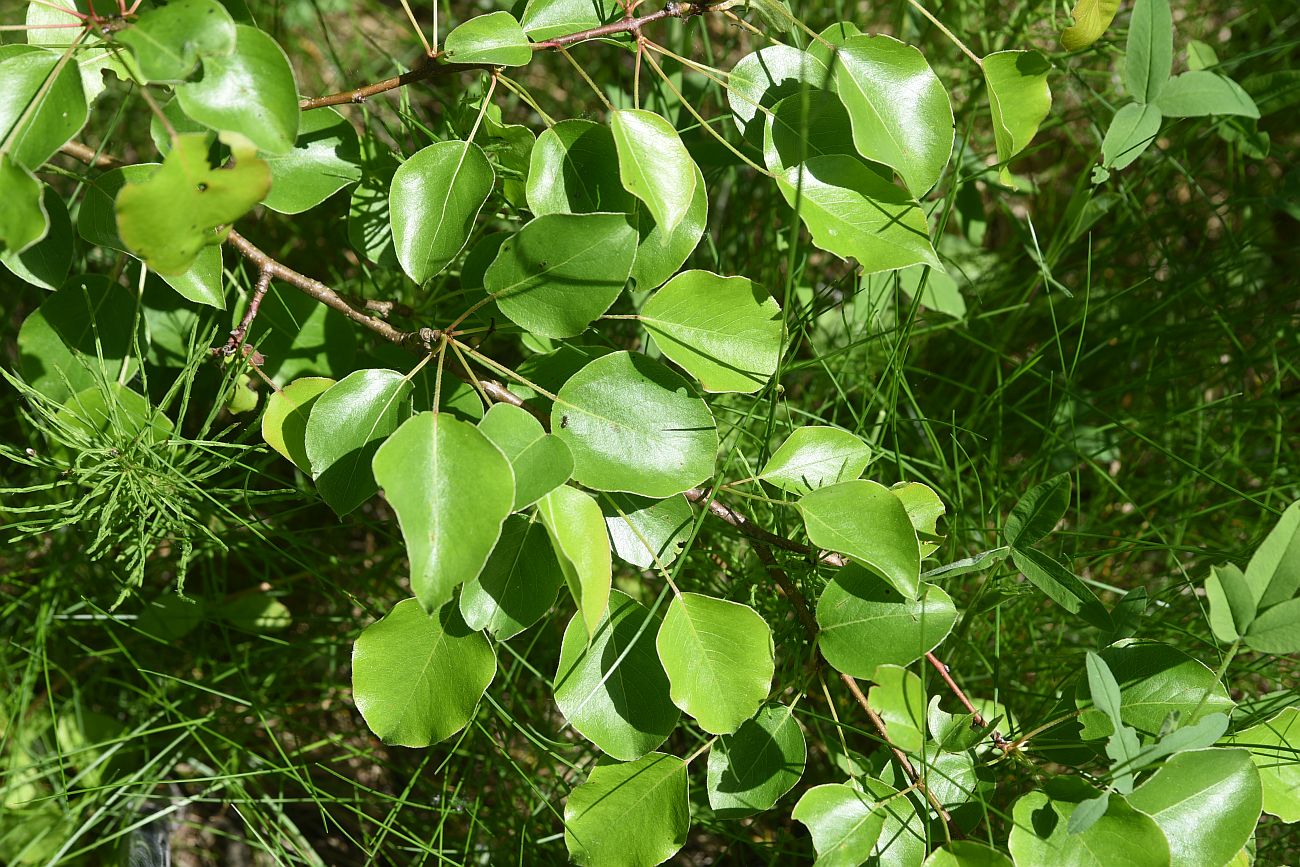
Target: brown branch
<point>626,25</point>
<point>977,719</point>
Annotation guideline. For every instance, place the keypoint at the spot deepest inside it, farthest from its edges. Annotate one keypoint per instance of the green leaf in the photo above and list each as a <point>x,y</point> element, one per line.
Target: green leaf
<point>112,407</point>
<point>864,521</point>
<point>169,218</point>
<point>719,658</point>
<point>258,613</point>
<point>866,623</point>
<point>648,532</point>
<point>635,814</point>
<point>495,38</point>
<point>325,159</point>
<point>765,77</point>
<point>1150,52</point>
<point>966,853</point>
<point>1232,602</point>
<point>1123,746</point>
<point>518,584</point>
<point>1275,748</point>
<point>46,263</point>
<point>1037,513</point>
<point>560,272</point>
<point>435,198</point>
<point>82,334</point>
<point>547,19</point>
<point>954,733</point>
<point>347,424</point>
<point>250,91</point>
<point>750,770</point>
<point>914,136</point>
<point>577,530</point>
<point>1091,18</point>
<point>1121,837</point>
<point>635,426</point>
<point>170,617</point>
<point>284,423</point>
<point>423,468</point>
<point>660,252</point>
<point>23,220</point>
<point>924,509</point>
<point>611,687</point>
<point>844,823</point>
<point>1061,585</point>
<point>203,281</point>
<point>903,837</point>
<point>416,678</point>
<point>815,456</point>
<point>1019,99</point>
<point>899,698</point>
<point>369,221</point>
<point>541,462</point>
<point>1207,802</point>
<point>724,331</point>
<point>654,165</point>
<point>1273,573</point>
<point>1198,94</point>
<point>60,114</point>
<point>92,55</point>
<point>169,41</point>
<point>1131,132</point>
<point>1276,630</point>
<point>1155,680</point>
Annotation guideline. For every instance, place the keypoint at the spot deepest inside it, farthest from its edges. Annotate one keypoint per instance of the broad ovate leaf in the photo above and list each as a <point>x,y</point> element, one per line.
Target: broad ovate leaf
<point>750,770</point>
<point>32,76</point>
<point>1019,99</point>
<point>417,677</point>
<point>843,821</point>
<point>765,77</point>
<point>284,423</point>
<point>1091,18</point>
<point>547,19</point>
<point>634,814</point>
<point>541,461</point>
<point>435,197</point>
<point>611,686</point>
<point>452,490</point>
<point>325,159</point>
<point>1120,837</point>
<point>864,521</point>
<point>1275,748</point>
<point>635,426</point>
<point>1273,573</point>
<point>517,585</point>
<point>900,112</point>
<point>724,331</point>
<point>495,38</point>
<point>719,657</point>
<point>23,220</point>
<point>815,456</point>
<point>654,165</point>
<point>46,262</point>
<point>168,41</point>
<point>645,532</point>
<point>577,530</point>
<point>866,623</point>
<point>250,91</point>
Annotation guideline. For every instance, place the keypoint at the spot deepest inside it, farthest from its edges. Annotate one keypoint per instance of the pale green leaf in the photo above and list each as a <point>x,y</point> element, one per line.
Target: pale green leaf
<point>634,815</point>
<point>547,19</point>
<point>1131,131</point>
<point>169,41</point>
<point>864,521</point>
<point>1037,513</point>
<point>284,423</point>
<point>577,530</point>
<point>1091,18</point>
<point>654,165</point>
<point>844,823</point>
<point>815,456</point>
<point>60,114</point>
<point>1274,571</point>
<point>899,697</point>
<point>645,532</point>
<point>495,38</point>
<point>1019,99</point>
<point>966,853</point>
<point>517,585</point>
<point>1149,55</point>
<point>435,197</point>
<point>765,77</point>
<point>541,461</point>
<point>1199,93</point>
<point>1275,748</point>
<point>1121,837</point>
<point>1276,630</point>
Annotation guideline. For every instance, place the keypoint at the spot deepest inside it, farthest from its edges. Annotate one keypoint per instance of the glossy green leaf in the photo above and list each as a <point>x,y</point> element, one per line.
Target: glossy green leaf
<point>1199,93</point>
<point>547,19</point>
<point>517,585</point>
<point>903,836</point>
<point>1019,99</point>
<point>1131,132</point>
<point>495,38</point>
<point>719,657</point>
<point>369,218</point>
<point>169,218</point>
<point>1091,18</point>
<point>1275,749</point>
<point>203,282</point>
<point>966,853</point>
<point>635,426</point>
<point>924,509</point>
<point>577,530</point>
<point>347,424</point>
<point>648,533</point>
<point>250,91</point>
<point>844,823</point>
<point>61,112</point>
<point>1276,630</point>
<point>23,220</point>
<point>750,770</point>
<point>1155,680</point>
<point>864,521</point>
<point>168,41</point>
<point>914,136</point>
<point>435,198</point>
<point>815,456</point>
<point>325,159</point>
<point>1037,513</point>
<point>661,252</point>
<point>416,678</point>
<point>82,334</point>
<point>866,623</point>
<point>811,123</point>
<point>46,263</point>
<point>611,687</point>
<point>654,165</point>
<point>1122,837</point>
<point>1061,585</point>
<point>899,697</point>
<point>451,489</point>
<point>1273,572</point>
<point>562,271</point>
<point>541,461</point>
<point>1207,802</point>
<point>284,423</point>
<point>634,814</point>
<point>765,77</point>
<point>954,732</point>
<point>831,38</point>
<point>92,56</point>
<point>724,331</point>
<point>1149,57</point>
